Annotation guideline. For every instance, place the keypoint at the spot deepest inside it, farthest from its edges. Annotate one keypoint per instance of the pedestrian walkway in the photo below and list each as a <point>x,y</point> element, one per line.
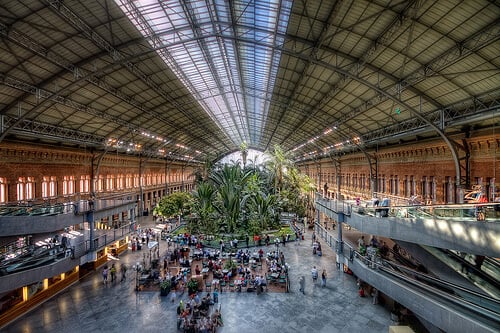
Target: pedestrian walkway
<point>90,306</point>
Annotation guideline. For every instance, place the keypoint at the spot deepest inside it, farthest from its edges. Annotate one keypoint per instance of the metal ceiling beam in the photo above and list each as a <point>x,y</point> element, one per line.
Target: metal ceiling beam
<point>484,37</point>
<point>21,124</point>
<point>303,75</point>
<point>41,130</point>
<point>238,63</point>
<point>402,19</point>
<point>79,73</point>
<point>194,26</point>
<point>117,56</point>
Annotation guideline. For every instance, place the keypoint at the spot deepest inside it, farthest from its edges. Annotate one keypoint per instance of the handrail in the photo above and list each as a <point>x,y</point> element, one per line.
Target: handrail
<point>480,309</point>
<point>443,282</point>
<point>458,301</point>
<point>408,211</point>
<point>492,314</point>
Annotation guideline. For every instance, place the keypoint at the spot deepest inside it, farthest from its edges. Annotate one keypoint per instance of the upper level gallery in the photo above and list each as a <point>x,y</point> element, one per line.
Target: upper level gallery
<point>445,226</point>
<point>36,219</point>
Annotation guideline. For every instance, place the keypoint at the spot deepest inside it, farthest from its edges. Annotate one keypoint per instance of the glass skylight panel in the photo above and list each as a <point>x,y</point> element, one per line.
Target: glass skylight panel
<point>190,36</point>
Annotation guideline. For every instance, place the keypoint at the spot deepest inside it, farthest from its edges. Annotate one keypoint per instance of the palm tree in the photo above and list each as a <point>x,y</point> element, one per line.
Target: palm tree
<point>263,207</point>
<point>278,164</point>
<point>244,152</point>
<point>204,196</point>
<point>230,180</point>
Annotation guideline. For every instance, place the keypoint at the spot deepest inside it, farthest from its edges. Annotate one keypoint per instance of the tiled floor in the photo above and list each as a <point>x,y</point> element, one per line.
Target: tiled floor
<point>89,306</point>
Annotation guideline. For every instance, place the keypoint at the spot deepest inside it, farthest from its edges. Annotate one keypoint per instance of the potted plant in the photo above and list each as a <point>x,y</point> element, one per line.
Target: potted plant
<point>192,285</point>
<point>165,287</point>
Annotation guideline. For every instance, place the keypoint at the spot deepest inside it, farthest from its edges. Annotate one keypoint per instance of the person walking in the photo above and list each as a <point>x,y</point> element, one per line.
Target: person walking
<point>105,275</point>
<point>123,269</point>
<point>113,272</point>
<point>302,284</point>
<point>314,274</point>
<point>323,278</point>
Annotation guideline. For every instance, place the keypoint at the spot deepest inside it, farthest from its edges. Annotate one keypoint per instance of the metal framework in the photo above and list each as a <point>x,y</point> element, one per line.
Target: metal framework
<point>190,79</point>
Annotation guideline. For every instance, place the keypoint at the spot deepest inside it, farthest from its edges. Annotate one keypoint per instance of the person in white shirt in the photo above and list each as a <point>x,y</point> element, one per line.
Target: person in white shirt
<point>314,274</point>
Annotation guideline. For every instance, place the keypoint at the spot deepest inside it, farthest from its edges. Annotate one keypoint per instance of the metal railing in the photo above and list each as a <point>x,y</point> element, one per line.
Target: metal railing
<point>450,211</point>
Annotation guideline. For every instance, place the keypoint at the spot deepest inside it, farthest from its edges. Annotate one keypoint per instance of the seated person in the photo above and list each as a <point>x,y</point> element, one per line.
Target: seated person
<point>209,299</point>
<point>263,281</point>
<point>217,318</point>
<point>218,274</point>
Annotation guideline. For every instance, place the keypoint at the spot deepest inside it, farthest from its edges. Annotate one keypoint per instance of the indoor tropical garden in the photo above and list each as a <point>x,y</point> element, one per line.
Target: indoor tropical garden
<point>242,199</point>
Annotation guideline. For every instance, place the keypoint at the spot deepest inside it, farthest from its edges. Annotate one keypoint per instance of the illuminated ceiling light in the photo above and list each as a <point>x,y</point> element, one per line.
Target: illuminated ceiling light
<point>328,131</point>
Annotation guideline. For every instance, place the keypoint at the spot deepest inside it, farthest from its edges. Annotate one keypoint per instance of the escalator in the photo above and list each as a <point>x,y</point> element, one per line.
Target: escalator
<point>446,305</point>
<point>483,274</point>
<point>491,304</point>
<point>458,268</point>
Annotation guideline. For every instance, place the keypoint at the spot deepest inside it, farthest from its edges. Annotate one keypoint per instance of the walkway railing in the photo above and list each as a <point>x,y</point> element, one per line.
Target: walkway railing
<point>459,211</point>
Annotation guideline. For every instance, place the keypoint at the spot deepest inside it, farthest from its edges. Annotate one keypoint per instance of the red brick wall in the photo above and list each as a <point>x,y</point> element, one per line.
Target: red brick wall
<point>432,158</point>
<point>25,160</point>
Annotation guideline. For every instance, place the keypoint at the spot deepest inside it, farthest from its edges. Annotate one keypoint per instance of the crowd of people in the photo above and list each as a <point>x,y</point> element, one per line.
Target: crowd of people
<point>373,247</point>
<point>199,315</point>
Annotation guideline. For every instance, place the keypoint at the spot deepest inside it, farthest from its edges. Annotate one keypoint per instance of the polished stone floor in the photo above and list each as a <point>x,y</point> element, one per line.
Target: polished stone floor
<point>90,306</point>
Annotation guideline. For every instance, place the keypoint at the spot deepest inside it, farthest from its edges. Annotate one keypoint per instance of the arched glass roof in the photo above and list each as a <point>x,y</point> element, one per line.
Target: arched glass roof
<point>185,80</point>
<point>203,43</point>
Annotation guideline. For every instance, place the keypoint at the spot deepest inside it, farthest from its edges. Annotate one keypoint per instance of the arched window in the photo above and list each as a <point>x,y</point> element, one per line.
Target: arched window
<point>84,184</point>
<point>25,188</point>
<point>68,187</point>
<point>110,183</point>
<point>3,190</point>
<point>129,181</point>
<point>119,182</point>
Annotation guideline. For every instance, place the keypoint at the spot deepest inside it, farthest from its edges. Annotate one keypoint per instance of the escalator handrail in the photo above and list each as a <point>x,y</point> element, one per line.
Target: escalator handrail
<point>475,308</point>
<point>460,302</point>
<point>477,271</point>
<point>443,282</point>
